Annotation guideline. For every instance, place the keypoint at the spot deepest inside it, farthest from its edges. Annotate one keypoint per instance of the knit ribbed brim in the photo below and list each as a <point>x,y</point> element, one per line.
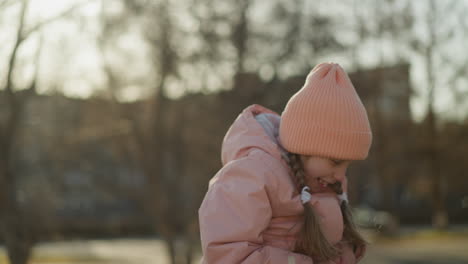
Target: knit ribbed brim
<point>326,117</point>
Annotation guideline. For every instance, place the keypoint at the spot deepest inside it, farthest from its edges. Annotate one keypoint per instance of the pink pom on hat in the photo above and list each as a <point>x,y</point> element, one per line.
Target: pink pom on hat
<point>326,117</point>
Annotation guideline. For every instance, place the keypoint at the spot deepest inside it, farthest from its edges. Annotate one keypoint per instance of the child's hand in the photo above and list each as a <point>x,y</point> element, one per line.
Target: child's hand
<point>351,254</point>
<point>360,252</point>
<point>348,254</point>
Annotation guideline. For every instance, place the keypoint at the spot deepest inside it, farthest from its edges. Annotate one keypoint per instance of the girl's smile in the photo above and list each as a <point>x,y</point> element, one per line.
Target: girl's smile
<point>318,185</point>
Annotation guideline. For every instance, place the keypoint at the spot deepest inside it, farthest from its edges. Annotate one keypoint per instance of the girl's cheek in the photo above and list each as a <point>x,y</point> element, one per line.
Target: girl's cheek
<point>317,171</point>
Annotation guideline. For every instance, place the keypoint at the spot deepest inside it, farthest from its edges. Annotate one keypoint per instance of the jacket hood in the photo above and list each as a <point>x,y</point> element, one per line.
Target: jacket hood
<point>246,133</point>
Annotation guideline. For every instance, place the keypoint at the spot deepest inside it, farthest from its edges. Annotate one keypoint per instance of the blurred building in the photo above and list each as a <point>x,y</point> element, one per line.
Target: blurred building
<point>78,173</point>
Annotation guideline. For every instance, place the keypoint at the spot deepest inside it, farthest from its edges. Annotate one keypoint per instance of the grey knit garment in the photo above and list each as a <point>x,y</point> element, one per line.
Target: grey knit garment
<point>270,124</point>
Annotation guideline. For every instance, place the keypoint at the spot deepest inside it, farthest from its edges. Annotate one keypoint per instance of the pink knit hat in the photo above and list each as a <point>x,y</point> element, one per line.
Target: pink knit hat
<point>326,118</point>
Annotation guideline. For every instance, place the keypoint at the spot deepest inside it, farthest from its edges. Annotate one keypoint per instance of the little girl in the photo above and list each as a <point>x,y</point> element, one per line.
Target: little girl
<point>280,196</point>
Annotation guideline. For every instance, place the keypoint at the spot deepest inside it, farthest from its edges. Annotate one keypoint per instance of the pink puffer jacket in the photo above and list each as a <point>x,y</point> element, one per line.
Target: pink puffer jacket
<point>252,211</point>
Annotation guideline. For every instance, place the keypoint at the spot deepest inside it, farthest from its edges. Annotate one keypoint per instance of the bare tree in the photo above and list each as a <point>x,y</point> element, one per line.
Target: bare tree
<point>159,149</point>
<point>391,22</point>
<point>18,235</point>
<point>432,50</point>
<point>14,230</point>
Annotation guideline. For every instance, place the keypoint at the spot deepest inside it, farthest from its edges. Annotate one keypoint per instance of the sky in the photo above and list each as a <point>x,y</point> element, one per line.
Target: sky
<point>78,67</point>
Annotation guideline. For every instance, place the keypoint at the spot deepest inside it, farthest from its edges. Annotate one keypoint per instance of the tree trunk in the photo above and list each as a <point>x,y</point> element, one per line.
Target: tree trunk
<point>14,230</point>
<point>439,213</point>
<point>18,241</point>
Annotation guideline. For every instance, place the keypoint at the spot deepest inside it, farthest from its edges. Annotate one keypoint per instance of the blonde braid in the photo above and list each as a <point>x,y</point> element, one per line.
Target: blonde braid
<point>311,240</point>
<point>296,166</point>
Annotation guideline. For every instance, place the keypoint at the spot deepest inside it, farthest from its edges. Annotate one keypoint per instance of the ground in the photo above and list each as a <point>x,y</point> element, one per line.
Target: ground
<point>428,247</point>
<point>421,245</point>
<point>427,252</point>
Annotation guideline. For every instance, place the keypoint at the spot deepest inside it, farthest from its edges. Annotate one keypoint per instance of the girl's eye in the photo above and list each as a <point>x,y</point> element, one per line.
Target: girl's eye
<point>336,162</point>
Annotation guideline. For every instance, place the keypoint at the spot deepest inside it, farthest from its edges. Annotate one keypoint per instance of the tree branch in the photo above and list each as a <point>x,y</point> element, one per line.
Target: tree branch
<point>11,63</point>
<point>54,18</point>
<point>6,3</point>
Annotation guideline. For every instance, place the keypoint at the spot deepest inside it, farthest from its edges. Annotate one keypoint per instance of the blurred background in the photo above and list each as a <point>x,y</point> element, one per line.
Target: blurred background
<point>112,114</point>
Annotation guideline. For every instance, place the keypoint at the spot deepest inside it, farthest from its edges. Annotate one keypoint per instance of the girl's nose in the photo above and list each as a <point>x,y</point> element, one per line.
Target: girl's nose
<point>340,175</point>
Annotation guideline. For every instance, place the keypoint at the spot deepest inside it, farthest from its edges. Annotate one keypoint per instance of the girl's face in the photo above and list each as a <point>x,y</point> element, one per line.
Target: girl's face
<point>322,172</point>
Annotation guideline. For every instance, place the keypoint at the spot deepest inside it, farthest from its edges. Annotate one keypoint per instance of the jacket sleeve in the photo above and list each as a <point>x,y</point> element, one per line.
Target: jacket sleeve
<point>235,211</point>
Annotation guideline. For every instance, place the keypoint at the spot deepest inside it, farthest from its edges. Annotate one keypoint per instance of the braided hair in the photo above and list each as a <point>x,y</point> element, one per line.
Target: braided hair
<point>311,239</point>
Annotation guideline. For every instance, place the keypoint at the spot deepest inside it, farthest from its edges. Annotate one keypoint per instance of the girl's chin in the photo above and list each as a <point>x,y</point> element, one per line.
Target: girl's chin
<point>321,189</point>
